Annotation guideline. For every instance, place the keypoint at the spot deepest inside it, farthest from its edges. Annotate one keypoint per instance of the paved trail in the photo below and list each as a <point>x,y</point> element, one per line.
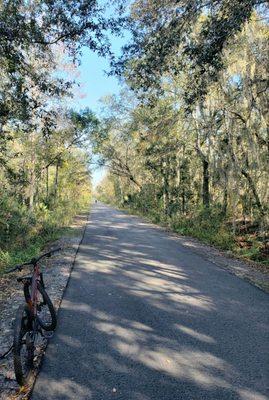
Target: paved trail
<point>145,318</point>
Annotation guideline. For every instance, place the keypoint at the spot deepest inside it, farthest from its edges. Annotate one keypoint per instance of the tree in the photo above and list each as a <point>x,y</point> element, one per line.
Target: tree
<point>30,34</point>
<point>169,36</point>
<point>202,172</point>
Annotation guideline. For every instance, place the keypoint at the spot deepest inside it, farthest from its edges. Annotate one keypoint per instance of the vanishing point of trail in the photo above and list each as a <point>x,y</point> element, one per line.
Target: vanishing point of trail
<point>145,318</point>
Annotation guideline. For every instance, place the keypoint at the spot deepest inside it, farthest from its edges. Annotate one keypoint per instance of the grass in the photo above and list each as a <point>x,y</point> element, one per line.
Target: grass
<point>19,254</point>
<point>24,247</point>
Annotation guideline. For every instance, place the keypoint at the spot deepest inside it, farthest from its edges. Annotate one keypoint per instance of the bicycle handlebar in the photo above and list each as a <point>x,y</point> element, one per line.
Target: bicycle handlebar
<point>33,261</point>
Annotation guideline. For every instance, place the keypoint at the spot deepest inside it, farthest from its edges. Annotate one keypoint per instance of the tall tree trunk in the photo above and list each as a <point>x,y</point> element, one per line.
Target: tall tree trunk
<point>183,201</point>
<point>32,190</point>
<point>183,188</point>
<point>165,196</point>
<point>56,181</point>
<point>253,189</point>
<point>132,179</point>
<point>206,196</point>
<point>178,178</point>
<point>181,180</point>
<point>121,190</point>
<point>32,186</point>
<point>251,184</point>
<point>47,183</point>
<point>165,189</point>
<point>205,163</point>
<point>225,194</point>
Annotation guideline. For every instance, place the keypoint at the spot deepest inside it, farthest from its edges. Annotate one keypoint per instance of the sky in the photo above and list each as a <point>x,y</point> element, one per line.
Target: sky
<point>95,84</point>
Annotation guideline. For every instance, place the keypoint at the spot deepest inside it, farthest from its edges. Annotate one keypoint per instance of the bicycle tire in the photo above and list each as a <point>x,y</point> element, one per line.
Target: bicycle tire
<point>46,301</point>
<point>23,368</point>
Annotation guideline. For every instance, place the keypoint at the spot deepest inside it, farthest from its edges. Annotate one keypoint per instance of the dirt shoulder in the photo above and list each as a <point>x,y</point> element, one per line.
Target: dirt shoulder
<point>57,270</point>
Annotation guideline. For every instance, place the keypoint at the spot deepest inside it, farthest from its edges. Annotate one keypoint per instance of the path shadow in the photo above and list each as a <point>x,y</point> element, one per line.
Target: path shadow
<point>145,319</point>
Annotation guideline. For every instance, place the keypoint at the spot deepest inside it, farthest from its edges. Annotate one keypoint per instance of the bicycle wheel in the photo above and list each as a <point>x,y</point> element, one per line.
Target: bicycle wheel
<point>46,315</point>
<point>23,345</point>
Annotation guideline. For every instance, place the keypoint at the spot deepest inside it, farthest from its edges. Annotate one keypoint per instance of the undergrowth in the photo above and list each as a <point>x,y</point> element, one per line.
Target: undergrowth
<point>25,234</point>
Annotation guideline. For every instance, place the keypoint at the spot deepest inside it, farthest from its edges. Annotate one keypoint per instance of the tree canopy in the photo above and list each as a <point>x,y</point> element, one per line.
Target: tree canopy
<point>44,159</point>
<point>202,172</point>
<point>185,143</point>
<point>175,35</point>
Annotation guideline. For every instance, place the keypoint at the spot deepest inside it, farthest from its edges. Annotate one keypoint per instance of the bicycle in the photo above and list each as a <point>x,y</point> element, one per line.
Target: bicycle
<point>36,314</point>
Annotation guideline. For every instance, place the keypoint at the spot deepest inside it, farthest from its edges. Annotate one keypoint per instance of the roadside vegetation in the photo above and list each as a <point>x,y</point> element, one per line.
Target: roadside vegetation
<point>186,143</point>
<point>44,155</point>
<point>44,185</point>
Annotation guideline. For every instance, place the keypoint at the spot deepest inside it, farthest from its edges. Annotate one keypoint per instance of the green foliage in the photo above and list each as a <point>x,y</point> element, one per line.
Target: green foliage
<point>169,37</point>
<point>33,38</point>
<point>44,170</point>
<point>208,226</point>
<point>50,184</point>
<point>198,169</point>
<point>24,233</point>
<point>203,173</point>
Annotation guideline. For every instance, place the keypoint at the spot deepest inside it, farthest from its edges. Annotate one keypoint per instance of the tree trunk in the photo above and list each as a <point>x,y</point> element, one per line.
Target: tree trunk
<point>165,196</point>
<point>253,189</point>
<point>181,180</point>
<point>251,184</point>
<point>56,181</point>
<point>47,184</point>
<point>32,191</point>
<point>206,197</point>
<point>205,163</point>
<point>183,201</point>
<point>178,178</point>
<point>132,179</point>
<point>165,189</point>
<point>32,187</point>
<point>121,190</point>
<point>225,195</point>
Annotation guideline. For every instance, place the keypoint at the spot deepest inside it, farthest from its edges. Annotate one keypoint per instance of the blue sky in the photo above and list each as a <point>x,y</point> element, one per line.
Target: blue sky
<point>95,84</point>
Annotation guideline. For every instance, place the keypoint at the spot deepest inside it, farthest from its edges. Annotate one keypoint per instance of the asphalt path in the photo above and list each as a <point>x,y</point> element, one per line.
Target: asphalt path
<point>145,318</point>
